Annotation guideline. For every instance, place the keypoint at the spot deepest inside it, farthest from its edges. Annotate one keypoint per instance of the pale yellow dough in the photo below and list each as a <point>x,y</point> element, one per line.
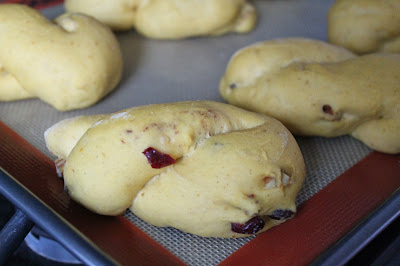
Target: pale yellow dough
<point>70,64</point>
<point>10,89</point>
<point>171,19</point>
<point>365,26</point>
<point>231,165</point>
<point>315,88</point>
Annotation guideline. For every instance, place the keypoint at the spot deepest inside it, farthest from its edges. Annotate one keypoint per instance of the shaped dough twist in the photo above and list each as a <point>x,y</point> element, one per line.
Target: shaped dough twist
<point>171,19</point>
<point>69,64</point>
<point>365,26</point>
<point>206,168</point>
<point>315,88</point>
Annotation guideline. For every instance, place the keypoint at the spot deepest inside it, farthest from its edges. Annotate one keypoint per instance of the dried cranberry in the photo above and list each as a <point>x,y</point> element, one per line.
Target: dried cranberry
<point>158,159</point>
<point>327,109</point>
<point>252,226</point>
<point>281,214</point>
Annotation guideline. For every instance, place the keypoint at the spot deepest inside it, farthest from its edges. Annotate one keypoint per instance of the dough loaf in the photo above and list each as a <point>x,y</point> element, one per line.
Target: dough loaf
<point>206,168</point>
<point>70,64</point>
<point>315,88</point>
<point>171,19</point>
<point>365,26</point>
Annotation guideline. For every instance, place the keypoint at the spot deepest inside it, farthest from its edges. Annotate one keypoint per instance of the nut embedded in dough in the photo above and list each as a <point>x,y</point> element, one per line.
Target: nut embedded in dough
<point>208,174</point>
<point>315,88</point>
<point>171,19</point>
<point>70,64</point>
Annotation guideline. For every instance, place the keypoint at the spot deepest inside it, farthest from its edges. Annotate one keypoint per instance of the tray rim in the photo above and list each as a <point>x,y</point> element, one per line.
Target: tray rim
<point>363,233</point>
<point>55,225</point>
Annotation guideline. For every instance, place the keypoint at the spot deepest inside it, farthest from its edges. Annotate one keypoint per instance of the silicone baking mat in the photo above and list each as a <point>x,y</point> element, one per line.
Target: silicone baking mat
<point>190,69</point>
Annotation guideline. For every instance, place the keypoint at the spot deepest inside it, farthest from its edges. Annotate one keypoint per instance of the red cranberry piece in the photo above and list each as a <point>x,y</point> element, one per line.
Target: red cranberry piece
<point>252,226</point>
<point>281,214</point>
<point>327,109</point>
<point>158,159</point>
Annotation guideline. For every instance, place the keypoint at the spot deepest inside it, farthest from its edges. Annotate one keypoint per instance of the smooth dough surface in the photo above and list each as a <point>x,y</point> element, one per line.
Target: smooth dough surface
<point>315,88</point>
<point>365,26</point>
<point>231,166</point>
<point>70,64</point>
<point>171,19</point>
<point>10,88</point>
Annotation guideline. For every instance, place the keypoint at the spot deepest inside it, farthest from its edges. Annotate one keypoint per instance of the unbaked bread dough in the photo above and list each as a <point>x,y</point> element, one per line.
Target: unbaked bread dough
<point>10,88</point>
<point>206,168</point>
<point>365,26</point>
<point>315,88</point>
<point>171,19</point>
<point>70,64</point>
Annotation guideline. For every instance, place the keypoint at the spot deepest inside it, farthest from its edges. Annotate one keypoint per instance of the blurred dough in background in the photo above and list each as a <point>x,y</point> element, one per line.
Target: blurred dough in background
<point>70,63</point>
<point>365,26</point>
<point>319,89</point>
<point>171,19</point>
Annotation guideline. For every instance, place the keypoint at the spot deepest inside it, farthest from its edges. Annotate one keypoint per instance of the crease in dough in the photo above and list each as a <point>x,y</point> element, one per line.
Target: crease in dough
<point>171,19</point>
<point>319,89</point>
<point>69,63</point>
<point>214,153</point>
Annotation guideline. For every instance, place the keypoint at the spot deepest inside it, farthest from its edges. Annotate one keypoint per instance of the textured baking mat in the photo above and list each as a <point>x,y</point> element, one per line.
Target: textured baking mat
<point>320,222</point>
<point>170,71</point>
<point>325,160</point>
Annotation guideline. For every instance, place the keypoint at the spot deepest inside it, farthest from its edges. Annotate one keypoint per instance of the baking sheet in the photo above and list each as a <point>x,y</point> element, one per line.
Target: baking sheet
<point>170,71</point>
<point>183,70</point>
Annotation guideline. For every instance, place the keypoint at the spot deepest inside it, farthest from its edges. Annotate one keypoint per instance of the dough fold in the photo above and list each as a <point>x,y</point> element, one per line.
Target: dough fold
<point>318,89</point>
<point>365,26</point>
<point>171,19</point>
<point>206,168</point>
<point>69,64</point>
